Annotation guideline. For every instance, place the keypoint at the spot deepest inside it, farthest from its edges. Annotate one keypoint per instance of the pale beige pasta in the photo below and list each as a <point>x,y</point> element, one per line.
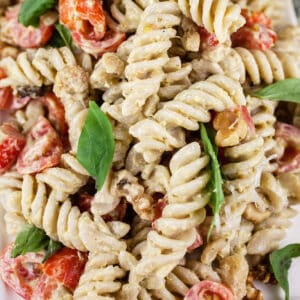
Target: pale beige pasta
<point>144,72</point>
<point>101,277</point>
<point>259,66</point>
<point>35,68</point>
<point>219,17</point>
<point>167,245</point>
<point>291,183</point>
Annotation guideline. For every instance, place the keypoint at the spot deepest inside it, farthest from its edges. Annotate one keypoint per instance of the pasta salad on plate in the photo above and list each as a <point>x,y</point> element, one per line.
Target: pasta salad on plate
<point>149,149</point>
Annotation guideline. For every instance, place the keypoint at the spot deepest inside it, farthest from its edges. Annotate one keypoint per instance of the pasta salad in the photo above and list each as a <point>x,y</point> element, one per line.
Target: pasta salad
<point>148,149</point>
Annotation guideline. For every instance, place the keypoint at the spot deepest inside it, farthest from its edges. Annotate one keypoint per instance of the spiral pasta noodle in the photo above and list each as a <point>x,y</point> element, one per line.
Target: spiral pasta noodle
<point>188,108</point>
<point>175,230</point>
<point>219,17</point>
<point>144,71</point>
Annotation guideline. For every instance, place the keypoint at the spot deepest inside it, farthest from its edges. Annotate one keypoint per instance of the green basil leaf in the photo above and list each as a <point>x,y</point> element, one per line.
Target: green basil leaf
<point>96,144</point>
<point>30,239</point>
<point>284,90</point>
<point>61,37</point>
<point>216,181</point>
<point>31,10</point>
<point>281,261</point>
<point>53,247</point>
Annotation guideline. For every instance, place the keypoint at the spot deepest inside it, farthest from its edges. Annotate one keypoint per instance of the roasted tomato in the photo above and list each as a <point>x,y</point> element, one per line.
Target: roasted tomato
<point>66,266</point>
<point>208,40</point>
<point>290,139</point>
<point>26,37</point>
<point>21,273</point>
<point>206,288</point>
<point>11,144</point>
<point>56,114</point>
<point>43,149</point>
<point>257,33</point>
<point>85,17</point>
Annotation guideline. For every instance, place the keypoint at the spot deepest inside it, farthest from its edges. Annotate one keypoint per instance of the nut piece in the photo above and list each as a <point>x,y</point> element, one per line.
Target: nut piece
<point>231,128</point>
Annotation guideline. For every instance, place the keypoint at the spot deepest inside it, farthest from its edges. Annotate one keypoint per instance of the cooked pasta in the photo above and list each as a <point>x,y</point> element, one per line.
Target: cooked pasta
<point>219,17</point>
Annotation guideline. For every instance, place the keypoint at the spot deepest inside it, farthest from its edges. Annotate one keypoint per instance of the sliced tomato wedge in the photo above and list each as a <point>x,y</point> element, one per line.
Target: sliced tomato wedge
<point>66,266</point>
<point>206,288</point>
<point>11,144</point>
<point>257,33</point>
<point>43,149</point>
<point>26,37</point>
<point>290,135</point>
<point>21,273</point>
<point>83,16</point>
<point>56,114</point>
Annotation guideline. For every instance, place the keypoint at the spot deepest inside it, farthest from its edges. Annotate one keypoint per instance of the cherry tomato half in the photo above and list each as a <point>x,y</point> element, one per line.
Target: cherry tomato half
<point>21,273</point>
<point>26,37</point>
<point>11,144</point>
<point>66,266</point>
<point>209,288</point>
<point>257,33</point>
<point>43,149</point>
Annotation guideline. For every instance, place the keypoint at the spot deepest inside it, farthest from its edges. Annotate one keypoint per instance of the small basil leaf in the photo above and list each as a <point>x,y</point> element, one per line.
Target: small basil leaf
<point>96,144</point>
<point>65,34</point>
<point>53,247</point>
<point>285,90</point>
<point>30,239</point>
<point>216,181</point>
<point>31,10</point>
<point>281,261</point>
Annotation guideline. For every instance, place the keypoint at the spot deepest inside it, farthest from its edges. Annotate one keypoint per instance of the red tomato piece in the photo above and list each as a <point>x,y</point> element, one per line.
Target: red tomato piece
<point>66,266</point>
<point>207,288</point>
<point>85,17</point>
<point>197,243</point>
<point>56,114</point>
<point>257,33</point>
<point>289,133</point>
<point>83,202</point>
<point>6,93</point>
<point>43,149</point>
<point>44,289</point>
<point>158,209</point>
<point>21,273</point>
<point>26,37</point>
<point>245,115</point>
<point>118,214</point>
<point>11,144</point>
<point>208,40</point>
<point>289,162</point>
<point>109,43</point>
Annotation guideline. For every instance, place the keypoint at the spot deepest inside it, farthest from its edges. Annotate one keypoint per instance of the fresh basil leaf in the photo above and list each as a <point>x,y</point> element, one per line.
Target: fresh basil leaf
<point>281,261</point>
<point>53,247</point>
<point>31,10</point>
<point>30,239</point>
<point>65,34</point>
<point>216,181</point>
<point>284,90</point>
<point>96,144</point>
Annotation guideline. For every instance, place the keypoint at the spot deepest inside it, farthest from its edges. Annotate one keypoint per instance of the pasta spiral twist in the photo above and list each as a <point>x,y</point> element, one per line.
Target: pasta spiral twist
<point>101,277</point>
<point>144,71</point>
<point>36,68</point>
<point>261,66</point>
<point>61,221</point>
<point>188,108</point>
<point>176,228</point>
<point>219,17</point>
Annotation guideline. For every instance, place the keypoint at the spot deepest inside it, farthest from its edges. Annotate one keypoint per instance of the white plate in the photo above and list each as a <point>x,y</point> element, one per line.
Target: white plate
<point>293,236</point>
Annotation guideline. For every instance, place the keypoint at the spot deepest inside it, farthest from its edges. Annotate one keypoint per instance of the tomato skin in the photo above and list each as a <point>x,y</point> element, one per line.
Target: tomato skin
<point>44,288</point>
<point>11,144</point>
<point>109,43</point>
<point>85,17</point>
<point>21,273</point>
<point>27,37</point>
<point>66,266</point>
<point>56,115</point>
<point>118,214</point>
<point>206,287</point>
<point>290,135</point>
<point>208,40</point>
<point>257,33</point>
<point>245,115</point>
<point>197,243</point>
<point>43,149</point>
